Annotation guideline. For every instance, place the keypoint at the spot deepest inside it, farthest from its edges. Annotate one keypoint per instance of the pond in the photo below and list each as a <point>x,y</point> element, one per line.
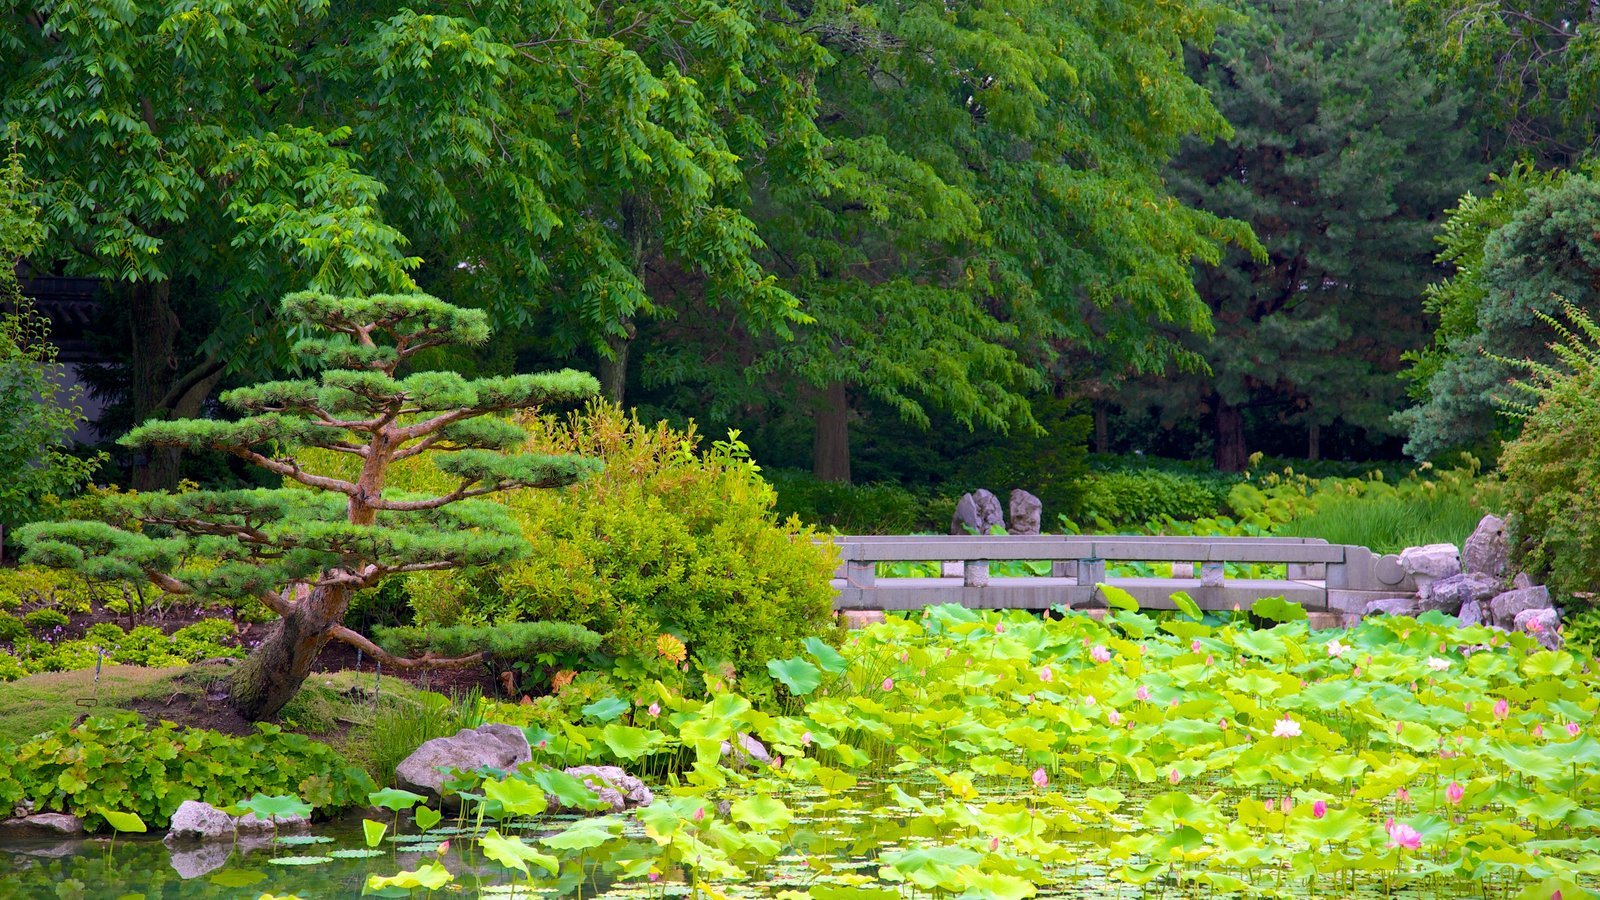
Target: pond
<point>990,756</point>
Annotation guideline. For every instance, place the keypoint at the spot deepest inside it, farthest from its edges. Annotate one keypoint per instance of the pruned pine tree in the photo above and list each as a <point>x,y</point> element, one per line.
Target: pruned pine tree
<point>305,549</point>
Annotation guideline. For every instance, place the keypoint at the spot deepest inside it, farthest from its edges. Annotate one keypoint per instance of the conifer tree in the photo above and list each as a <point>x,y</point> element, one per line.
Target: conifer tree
<point>306,548</point>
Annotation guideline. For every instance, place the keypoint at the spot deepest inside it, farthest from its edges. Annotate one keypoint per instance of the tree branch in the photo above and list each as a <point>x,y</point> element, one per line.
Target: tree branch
<point>426,661</point>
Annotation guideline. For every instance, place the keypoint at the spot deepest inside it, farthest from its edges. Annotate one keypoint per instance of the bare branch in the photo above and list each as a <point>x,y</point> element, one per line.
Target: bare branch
<point>293,470</point>
<point>426,661</point>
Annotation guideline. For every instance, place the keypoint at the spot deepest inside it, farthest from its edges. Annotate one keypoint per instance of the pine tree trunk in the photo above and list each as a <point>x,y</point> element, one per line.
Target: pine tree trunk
<point>152,347</point>
<point>831,452</point>
<point>1102,428</point>
<point>1314,442</point>
<point>614,371</point>
<point>274,671</point>
<point>1230,454</point>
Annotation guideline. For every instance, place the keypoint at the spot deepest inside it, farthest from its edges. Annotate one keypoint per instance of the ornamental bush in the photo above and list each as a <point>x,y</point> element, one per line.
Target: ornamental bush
<point>117,762</point>
<point>672,537</point>
<point>1552,469</point>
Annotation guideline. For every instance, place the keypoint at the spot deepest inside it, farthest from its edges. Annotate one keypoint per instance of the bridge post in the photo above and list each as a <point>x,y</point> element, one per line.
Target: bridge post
<point>975,573</point>
<point>861,573</point>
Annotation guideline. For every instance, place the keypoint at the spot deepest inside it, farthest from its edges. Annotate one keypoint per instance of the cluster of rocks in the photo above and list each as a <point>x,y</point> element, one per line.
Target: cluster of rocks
<point>980,512</point>
<point>1473,583</point>
<point>492,746</point>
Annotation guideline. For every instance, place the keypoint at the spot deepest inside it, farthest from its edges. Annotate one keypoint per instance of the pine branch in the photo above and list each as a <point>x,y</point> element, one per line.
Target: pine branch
<point>426,661</point>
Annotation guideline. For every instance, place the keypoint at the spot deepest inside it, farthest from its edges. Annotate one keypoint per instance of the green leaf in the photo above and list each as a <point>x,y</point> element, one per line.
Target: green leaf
<point>516,796</point>
<point>568,790</point>
<point>799,676</point>
<point>395,799</point>
<point>605,709</point>
<point>269,808</point>
<point>1117,598</point>
<point>828,658</point>
<point>585,834</point>
<point>762,812</point>
<point>431,876</point>
<point>512,853</point>
<point>125,822</point>
<point>630,743</point>
<point>1277,609</point>
<point>1187,606</point>
<point>373,831</point>
<point>427,817</point>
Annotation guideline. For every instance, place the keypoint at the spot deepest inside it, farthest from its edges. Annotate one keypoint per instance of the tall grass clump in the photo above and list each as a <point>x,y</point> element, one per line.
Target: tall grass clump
<point>1389,518</point>
<point>400,726</point>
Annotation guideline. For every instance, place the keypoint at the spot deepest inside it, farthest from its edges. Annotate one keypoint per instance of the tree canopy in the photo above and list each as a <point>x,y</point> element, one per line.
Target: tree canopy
<point>304,549</point>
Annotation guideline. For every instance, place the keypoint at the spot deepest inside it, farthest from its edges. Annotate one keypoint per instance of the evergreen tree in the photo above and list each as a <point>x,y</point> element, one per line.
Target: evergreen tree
<point>1343,153</point>
<point>305,549</point>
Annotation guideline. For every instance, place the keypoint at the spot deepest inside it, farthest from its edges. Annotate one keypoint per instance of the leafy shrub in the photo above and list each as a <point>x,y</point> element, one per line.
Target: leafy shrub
<point>1552,469</point>
<point>118,762</point>
<point>10,667</point>
<point>11,628</point>
<point>143,646</point>
<point>672,538</point>
<point>45,619</point>
<point>36,586</point>
<point>881,508</point>
<point>1124,498</point>
<point>532,648</point>
<point>1390,520</point>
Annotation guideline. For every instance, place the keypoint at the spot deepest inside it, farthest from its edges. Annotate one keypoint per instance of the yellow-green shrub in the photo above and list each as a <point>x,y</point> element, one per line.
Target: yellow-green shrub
<point>672,538</point>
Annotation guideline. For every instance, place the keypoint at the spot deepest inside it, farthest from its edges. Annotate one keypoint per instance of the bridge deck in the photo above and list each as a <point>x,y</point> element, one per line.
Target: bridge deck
<point>1044,593</point>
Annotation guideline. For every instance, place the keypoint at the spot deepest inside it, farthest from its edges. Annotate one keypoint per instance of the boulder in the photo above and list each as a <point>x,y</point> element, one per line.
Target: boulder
<point>196,822</point>
<point>965,520</point>
<point>1395,606</point>
<point>1504,607</point>
<point>195,860</point>
<point>45,823</point>
<point>990,515</point>
<point>495,746</point>
<point>1026,511</point>
<point>1471,613</point>
<point>1450,594</point>
<point>1523,580</point>
<point>1544,624</point>
<point>616,787</point>
<point>1431,562</point>
<point>1485,551</point>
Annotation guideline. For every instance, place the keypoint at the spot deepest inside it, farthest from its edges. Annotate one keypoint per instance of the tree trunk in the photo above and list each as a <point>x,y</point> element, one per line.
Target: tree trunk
<point>1102,428</point>
<point>274,671</point>
<point>1314,442</point>
<point>152,348</point>
<point>614,371</point>
<point>831,453</point>
<point>1230,455</point>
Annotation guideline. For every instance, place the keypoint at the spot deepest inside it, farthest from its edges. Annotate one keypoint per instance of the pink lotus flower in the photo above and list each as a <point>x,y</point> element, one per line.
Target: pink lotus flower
<point>1040,778</point>
<point>1285,727</point>
<point>1535,626</point>
<point>1223,724</point>
<point>805,739</point>
<point>1574,729</point>
<point>700,814</point>
<point>1287,804</point>
<point>654,877</point>
<point>1403,835</point>
<point>1114,717</point>
<point>1319,809</point>
<point>1454,793</point>
<point>1045,674</point>
<point>1399,727</point>
<point>1194,646</point>
<point>999,628</point>
<point>1402,796</point>
<point>542,744</point>
<point>1501,708</point>
<point>1174,777</point>
<point>1100,654</point>
<point>653,709</point>
<point>1210,659</point>
<point>888,685</point>
<point>443,848</point>
<point>994,844</point>
<point>1089,700</point>
<point>1437,664</point>
<point>1336,649</point>
<point>905,656</point>
<point>1143,693</point>
<point>1538,731</point>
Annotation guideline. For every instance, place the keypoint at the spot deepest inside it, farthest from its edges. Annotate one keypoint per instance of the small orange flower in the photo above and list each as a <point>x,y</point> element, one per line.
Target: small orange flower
<point>671,649</point>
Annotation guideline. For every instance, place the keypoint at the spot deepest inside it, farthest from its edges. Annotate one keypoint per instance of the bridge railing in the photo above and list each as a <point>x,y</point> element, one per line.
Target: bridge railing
<point>1318,575</point>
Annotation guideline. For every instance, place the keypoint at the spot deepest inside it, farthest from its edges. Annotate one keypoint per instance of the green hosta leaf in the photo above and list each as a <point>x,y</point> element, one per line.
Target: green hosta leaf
<point>267,808</point>
<point>762,813</point>
<point>585,834</point>
<point>373,831</point>
<point>1277,609</point>
<point>828,658</point>
<point>395,799</point>
<point>427,817</point>
<point>1117,598</point>
<point>125,822</point>
<point>1187,606</point>
<point>631,743</point>
<point>512,853</point>
<point>605,709</point>
<point>569,790</point>
<point>799,676</point>
<point>431,876</point>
